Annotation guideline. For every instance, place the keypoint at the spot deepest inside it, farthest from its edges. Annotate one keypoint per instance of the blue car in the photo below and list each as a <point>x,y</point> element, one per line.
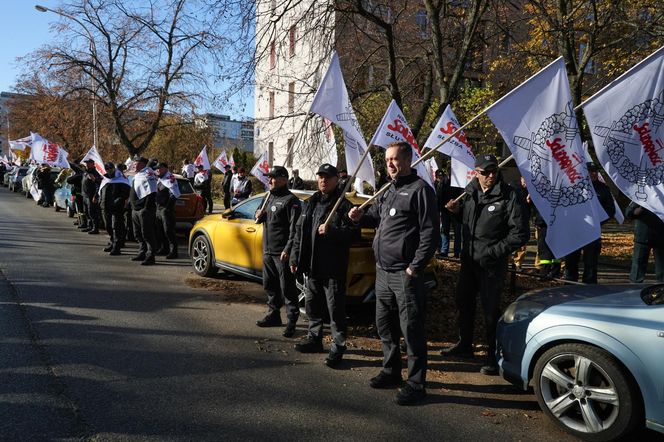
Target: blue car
<point>594,356</point>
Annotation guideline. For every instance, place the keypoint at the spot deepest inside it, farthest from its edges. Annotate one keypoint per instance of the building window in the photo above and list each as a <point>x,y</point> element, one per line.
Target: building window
<point>422,21</point>
<point>271,104</point>
<point>291,97</point>
<point>273,54</point>
<point>270,152</point>
<point>289,153</point>
<point>291,40</point>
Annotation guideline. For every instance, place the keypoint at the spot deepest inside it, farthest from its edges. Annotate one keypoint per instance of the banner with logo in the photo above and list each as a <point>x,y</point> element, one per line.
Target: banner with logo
<point>460,174</point>
<point>262,167</point>
<point>332,102</point>
<point>538,123</point>
<point>171,183</point>
<point>202,159</point>
<point>43,151</point>
<point>619,216</point>
<point>626,121</point>
<point>145,183</point>
<point>458,147</point>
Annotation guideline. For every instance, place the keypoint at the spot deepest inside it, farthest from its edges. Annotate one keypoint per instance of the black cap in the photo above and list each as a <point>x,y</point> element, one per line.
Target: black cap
<point>486,162</point>
<point>140,159</point>
<point>200,166</point>
<point>327,169</point>
<point>439,172</point>
<point>592,167</point>
<point>227,166</point>
<point>109,165</point>
<point>162,164</point>
<point>89,160</point>
<point>277,172</point>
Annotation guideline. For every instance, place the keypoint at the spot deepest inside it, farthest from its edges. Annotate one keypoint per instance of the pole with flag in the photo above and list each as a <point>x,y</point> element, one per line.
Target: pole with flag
<point>202,159</point>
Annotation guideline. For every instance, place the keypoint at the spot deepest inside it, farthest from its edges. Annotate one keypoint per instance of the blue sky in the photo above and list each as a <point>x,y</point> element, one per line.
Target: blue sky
<point>24,29</point>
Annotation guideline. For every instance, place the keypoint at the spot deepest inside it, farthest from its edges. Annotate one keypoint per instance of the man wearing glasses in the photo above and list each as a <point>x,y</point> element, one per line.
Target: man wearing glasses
<point>495,224</point>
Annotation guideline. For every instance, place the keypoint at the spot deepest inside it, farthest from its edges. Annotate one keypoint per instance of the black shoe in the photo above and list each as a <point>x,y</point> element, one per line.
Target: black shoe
<point>108,248</point>
<point>410,396</point>
<point>289,331</point>
<point>148,261</point>
<point>269,321</point>
<point>140,257</point>
<point>384,380</point>
<point>172,255</point>
<point>93,232</point>
<point>458,351</point>
<point>490,368</point>
<point>311,346</point>
<point>86,229</point>
<point>115,253</point>
<point>333,360</point>
<point>161,252</point>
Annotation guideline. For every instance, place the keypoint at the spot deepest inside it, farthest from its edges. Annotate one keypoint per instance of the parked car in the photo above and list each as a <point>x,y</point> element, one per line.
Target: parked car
<point>31,176</point>
<point>232,241</point>
<point>15,178</point>
<point>189,206</point>
<point>594,355</point>
<point>62,200</point>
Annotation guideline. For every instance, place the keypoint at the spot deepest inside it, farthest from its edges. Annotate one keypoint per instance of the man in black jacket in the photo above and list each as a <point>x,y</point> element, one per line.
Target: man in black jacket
<point>320,252</point>
<point>495,224</point>
<point>89,188</point>
<point>113,194</point>
<point>279,218</point>
<point>203,183</point>
<point>142,198</point>
<point>296,182</point>
<point>45,183</point>
<point>226,186</point>
<point>648,234</point>
<point>407,237</point>
<point>592,250</point>
<point>167,194</point>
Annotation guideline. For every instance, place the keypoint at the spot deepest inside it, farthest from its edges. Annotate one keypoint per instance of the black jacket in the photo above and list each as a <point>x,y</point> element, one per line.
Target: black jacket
<point>280,218</point>
<point>147,202</point>
<point>408,224</point>
<point>164,198</point>
<point>295,183</point>
<point>44,180</point>
<point>90,183</point>
<point>605,199</point>
<point>205,188</point>
<point>324,256</point>
<point>648,227</point>
<point>226,184</point>
<point>495,223</point>
<point>112,197</point>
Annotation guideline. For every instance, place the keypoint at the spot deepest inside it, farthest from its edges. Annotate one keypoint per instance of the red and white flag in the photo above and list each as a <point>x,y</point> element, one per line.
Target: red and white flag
<point>538,123</point>
<point>261,167</point>
<point>93,154</point>
<point>458,147</point>
<point>202,159</point>
<point>332,102</point>
<point>44,151</point>
<point>222,161</point>
<point>394,127</point>
<point>171,183</point>
<point>626,121</point>
<point>460,174</point>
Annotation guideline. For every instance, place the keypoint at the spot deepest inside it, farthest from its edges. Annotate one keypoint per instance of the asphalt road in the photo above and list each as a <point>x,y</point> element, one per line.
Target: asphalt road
<point>96,347</point>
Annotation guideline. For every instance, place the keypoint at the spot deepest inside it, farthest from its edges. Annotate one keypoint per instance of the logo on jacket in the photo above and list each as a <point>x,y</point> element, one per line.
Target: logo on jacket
<point>491,208</point>
<point>393,211</point>
<point>273,208</point>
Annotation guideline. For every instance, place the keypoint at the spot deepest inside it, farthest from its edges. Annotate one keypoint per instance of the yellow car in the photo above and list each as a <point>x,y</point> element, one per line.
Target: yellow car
<point>233,242</point>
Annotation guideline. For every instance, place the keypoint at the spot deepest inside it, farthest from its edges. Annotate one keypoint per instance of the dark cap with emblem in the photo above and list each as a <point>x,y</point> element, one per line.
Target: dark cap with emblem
<point>162,164</point>
<point>277,172</point>
<point>327,169</point>
<point>140,159</point>
<point>89,160</point>
<point>486,162</point>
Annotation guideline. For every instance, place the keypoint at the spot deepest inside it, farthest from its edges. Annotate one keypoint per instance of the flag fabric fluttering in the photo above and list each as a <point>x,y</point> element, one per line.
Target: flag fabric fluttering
<point>458,147</point>
<point>171,183</point>
<point>626,120</point>
<point>93,154</point>
<point>261,167</point>
<point>221,161</point>
<point>394,127</point>
<point>43,151</point>
<point>330,145</point>
<point>21,143</point>
<point>332,102</point>
<point>145,182</point>
<point>538,123</point>
<point>460,174</point>
<point>202,159</point>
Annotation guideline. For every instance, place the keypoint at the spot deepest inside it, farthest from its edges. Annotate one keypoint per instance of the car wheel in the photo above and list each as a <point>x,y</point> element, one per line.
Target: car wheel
<point>587,392</point>
<point>201,257</point>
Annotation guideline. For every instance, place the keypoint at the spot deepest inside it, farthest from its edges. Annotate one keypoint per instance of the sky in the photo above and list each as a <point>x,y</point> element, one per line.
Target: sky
<point>25,29</point>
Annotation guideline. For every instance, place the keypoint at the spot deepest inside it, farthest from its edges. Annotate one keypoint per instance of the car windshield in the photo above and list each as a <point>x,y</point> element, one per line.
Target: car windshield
<point>247,209</point>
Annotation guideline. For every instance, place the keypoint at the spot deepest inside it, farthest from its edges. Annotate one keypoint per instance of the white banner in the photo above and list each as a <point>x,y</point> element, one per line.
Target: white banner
<point>43,151</point>
<point>261,167</point>
<point>118,177</point>
<point>171,183</point>
<point>626,121</point>
<point>21,143</point>
<point>460,174</point>
<point>145,183</point>
<point>432,167</point>
<point>394,127</point>
<point>331,101</point>
<point>330,146</point>
<point>202,158</point>
<point>221,161</point>
<point>538,123</point>
<point>458,147</point>
<point>619,216</point>
<point>93,154</point>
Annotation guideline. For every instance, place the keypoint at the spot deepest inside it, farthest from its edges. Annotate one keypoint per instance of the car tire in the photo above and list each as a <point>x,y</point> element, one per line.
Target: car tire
<point>201,257</point>
<point>587,392</point>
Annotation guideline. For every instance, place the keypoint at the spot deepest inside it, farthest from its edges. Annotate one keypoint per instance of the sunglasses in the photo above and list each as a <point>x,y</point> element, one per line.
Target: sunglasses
<point>487,172</point>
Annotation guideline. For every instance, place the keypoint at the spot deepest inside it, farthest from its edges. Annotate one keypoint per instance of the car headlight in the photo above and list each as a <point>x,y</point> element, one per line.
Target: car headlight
<point>522,311</point>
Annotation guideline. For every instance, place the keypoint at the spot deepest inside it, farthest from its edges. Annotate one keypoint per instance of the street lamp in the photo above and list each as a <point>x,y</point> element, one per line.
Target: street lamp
<point>41,8</point>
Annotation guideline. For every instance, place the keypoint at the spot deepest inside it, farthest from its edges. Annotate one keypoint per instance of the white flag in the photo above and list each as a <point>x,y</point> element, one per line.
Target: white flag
<point>44,151</point>
<point>261,167</point>
<point>458,147</point>
<point>202,158</point>
<point>330,146</point>
<point>460,174</point>
<point>221,161</point>
<point>93,154</point>
<point>145,183</point>
<point>21,143</point>
<point>231,161</point>
<point>171,183</point>
<point>538,123</point>
<point>118,177</point>
<point>432,167</point>
<point>394,127</point>
<point>332,102</point>
<point>626,121</point>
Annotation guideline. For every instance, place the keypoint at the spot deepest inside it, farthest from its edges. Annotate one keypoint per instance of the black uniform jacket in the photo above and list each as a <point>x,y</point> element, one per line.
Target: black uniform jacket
<point>90,183</point>
<point>112,197</point>
<point>408,223</point>
<point>280,217</point>
<point>324,256</point>
<point>648,227</point>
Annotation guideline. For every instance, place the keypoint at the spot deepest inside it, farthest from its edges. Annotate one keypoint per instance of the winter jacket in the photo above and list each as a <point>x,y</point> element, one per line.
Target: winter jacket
<point>226,184</point>
<point>648,227</point>
<point>279,219</point>
<point>90,183</point>
<point>495,223</point>
<point>324,256</point>
<point>112,197</point>
<point>605,199</point>
<point>408,222</point>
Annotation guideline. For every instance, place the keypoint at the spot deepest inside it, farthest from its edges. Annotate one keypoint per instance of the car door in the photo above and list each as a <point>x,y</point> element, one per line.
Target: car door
<point>235,240</point>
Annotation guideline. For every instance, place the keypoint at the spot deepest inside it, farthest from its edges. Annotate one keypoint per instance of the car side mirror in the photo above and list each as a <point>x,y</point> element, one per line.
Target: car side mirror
<point>227,214</point>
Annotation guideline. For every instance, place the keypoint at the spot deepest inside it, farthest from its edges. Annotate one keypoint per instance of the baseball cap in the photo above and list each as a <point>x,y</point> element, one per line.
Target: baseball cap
<point>109,165</point>
<point>140,159</point>
<point>486,162</point>
<point>276,172</point>
<point>327,169</point>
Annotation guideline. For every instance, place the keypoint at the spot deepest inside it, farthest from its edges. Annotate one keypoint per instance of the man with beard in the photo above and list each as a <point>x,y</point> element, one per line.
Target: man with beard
<point>143,205</point>
<point>113,194</point>
<point>89,188</point>
<point>279,216</point>
<point>168,192</point>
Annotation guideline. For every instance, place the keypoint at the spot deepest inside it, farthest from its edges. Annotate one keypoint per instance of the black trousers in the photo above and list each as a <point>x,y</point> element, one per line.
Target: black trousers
<point>207,202</point>
<point>115,227</point>
<point>590,258</point>
<point>166,229</point>
<point>279,284</point>
<point>227,200</point>
<point>488,283</point>
<point>330,293</point>
<point>401,310</point>
<point>92,213</point>
<point>143,222</point>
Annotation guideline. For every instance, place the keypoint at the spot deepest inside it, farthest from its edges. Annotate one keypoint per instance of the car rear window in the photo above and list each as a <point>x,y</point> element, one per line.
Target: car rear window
<point>185,186</point>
